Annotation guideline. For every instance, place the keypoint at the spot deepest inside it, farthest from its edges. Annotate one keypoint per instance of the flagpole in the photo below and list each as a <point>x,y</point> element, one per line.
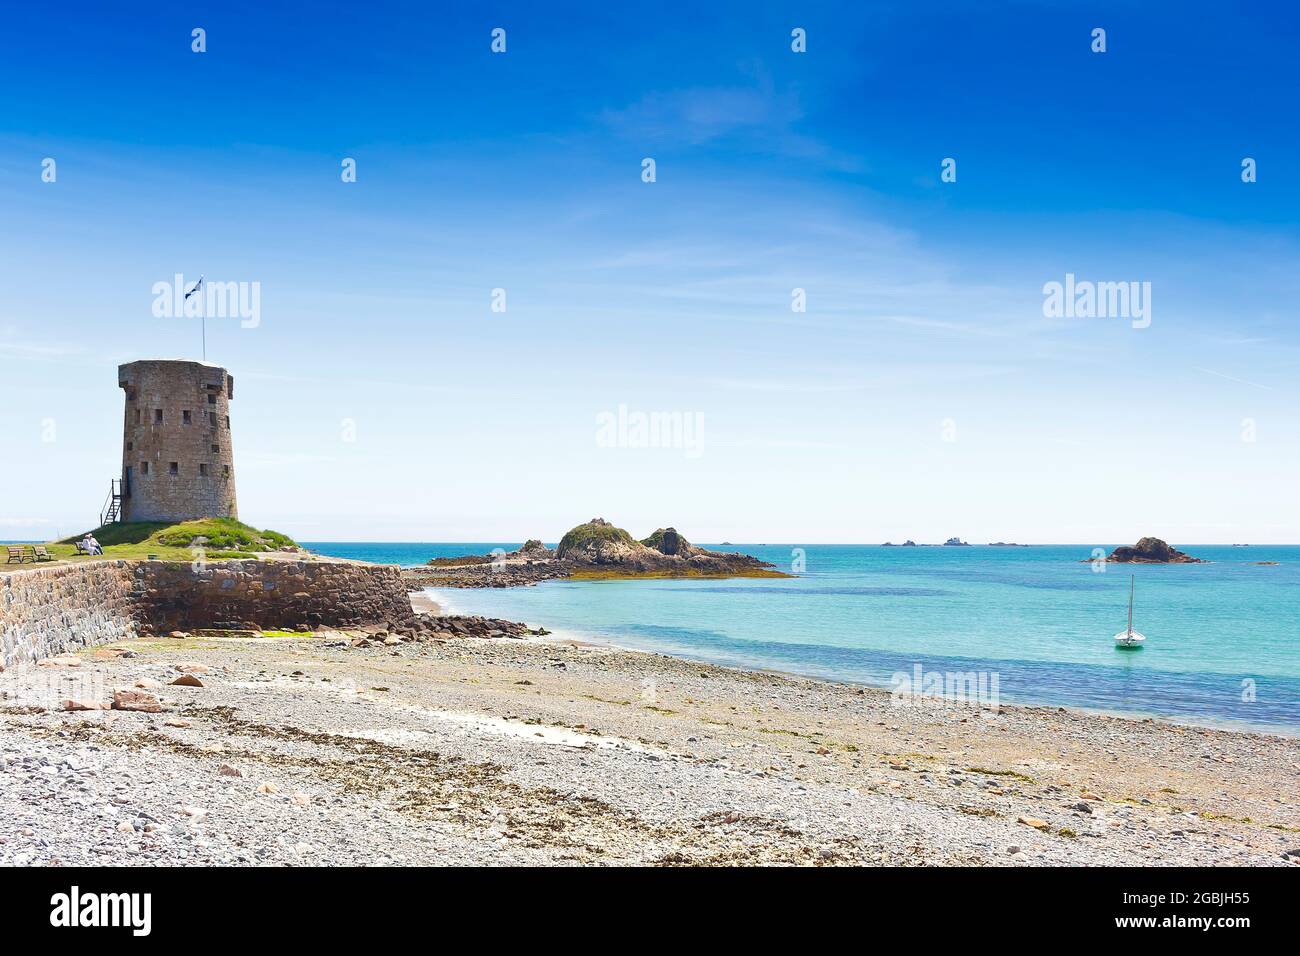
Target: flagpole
<point>203,315</point>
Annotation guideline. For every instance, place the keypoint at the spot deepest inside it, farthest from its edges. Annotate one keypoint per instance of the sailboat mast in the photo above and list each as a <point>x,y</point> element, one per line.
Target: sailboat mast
<point>1132,583</point>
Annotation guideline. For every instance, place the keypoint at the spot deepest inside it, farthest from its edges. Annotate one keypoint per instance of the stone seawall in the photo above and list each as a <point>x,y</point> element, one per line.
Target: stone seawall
<point>48,611</point>
<point>271,595</point>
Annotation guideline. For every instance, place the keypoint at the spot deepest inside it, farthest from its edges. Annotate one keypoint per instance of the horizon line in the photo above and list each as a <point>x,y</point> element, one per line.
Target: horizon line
<point>850,544</point>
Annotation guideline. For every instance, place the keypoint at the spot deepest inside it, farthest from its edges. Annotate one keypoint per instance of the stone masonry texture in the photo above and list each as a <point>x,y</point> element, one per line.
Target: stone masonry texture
<point>48,611</point>
<point>177,457</point>
<point>271,595</point>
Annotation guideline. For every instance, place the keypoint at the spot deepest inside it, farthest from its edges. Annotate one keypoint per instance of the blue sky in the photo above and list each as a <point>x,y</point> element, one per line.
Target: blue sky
<point>775,171</point>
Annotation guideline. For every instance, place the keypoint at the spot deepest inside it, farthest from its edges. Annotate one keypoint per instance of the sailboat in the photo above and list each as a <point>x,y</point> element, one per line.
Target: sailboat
<point>1130,639</point>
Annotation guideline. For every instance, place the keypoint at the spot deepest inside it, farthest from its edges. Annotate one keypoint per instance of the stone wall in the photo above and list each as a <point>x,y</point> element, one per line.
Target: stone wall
<point>271,595</point>
<point>48,611</point>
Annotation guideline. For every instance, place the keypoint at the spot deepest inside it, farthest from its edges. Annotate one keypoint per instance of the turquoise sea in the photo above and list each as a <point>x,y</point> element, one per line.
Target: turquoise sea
<point>1223,638</point>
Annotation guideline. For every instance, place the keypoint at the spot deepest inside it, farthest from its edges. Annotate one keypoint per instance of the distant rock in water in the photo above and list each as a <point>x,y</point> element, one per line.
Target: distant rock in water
<point>1151,551</point>
<point>462,560</point>
<point>596,549</point>
<point>955,543</point>
<point>600,546</point>
<point>533,550</point>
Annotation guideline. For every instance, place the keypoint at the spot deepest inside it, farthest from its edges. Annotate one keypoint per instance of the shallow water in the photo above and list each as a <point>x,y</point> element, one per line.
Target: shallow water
<point>1223,639</point>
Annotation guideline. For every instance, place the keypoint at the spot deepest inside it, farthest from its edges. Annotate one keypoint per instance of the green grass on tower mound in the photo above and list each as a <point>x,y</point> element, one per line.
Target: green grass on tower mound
<point>219,538</point>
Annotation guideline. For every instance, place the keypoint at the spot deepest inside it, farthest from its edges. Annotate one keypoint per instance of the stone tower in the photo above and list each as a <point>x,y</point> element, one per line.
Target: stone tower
<point>177,457</point>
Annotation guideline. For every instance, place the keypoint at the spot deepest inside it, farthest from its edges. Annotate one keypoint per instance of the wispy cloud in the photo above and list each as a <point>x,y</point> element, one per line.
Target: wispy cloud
<point>887,378</point>
<point>1230,378</point>
<point>772,385</point>
<point>38,350</point>
<point>765,117</point>
<point>783,443</point>
<point>366,383</point>
<point>277,460</point>
<point>701,114</point>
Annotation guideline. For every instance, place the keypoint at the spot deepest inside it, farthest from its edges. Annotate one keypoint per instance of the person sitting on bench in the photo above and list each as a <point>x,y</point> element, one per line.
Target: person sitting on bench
<point>91,545</point>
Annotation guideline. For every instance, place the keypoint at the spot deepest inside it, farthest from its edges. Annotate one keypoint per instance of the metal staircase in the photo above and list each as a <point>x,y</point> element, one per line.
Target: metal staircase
<point>112,510</point>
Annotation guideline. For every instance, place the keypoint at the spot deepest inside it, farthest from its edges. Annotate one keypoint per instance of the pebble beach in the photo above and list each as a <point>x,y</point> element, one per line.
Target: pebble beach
<point>311,750</point>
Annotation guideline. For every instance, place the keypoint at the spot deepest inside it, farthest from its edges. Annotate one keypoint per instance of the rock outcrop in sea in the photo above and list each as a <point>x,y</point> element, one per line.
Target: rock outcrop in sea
<point>1151,551</point>
<point>599,542</point>
<point>668,541</point>
<point>532,550</point>
<point>599,545</point>
<point>596,548</point>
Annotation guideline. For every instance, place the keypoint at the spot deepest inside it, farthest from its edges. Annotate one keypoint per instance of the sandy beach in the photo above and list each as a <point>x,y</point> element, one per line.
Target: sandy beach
<point>309,750</point>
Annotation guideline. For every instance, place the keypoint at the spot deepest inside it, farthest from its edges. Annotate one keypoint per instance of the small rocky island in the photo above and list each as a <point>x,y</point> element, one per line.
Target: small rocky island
<point>591,551</point>
<point>1151,551</point>
<point>531,551</point>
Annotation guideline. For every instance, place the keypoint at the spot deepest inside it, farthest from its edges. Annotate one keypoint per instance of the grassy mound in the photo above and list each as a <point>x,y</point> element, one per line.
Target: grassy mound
<point>222,533</point>
<point>219,537</point>
<point>655,540</point>
<point>668,541</point>
<point>596,530</point>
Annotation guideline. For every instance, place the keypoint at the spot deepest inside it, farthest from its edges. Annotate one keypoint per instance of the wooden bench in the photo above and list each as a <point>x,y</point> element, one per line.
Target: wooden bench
<point>39,553</point>
<point>81,548</point>
<point>16,555</point>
